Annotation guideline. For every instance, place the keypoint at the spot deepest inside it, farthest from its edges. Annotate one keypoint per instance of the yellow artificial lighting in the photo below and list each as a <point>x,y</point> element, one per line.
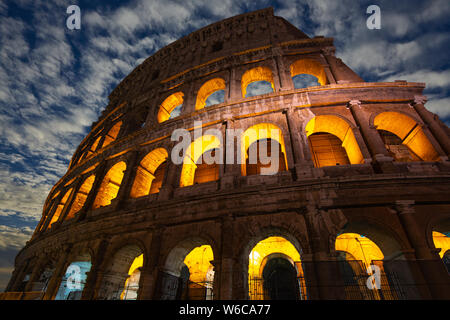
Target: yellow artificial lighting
<point>256,74</point>
<point>208,88</point>
<point>308,66</point>
<point>198,262</point>
<point>441,241</point>
<point>359,248</point>
<point>341,129</point>
<point>110,185</point>
<point>170,103</point>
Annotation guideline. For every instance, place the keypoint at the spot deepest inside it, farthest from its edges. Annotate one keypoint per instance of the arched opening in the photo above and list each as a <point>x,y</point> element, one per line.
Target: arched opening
<point>81,197</point>
<point>379,269</point>
<point>92,149</point>
<point>308,67</point>
<point>261,79</point>
<point>203,154</point>
<point>304,80</point>
<point>171,107</point>
<point>327,150</point>
<point>275,271</point>
<point>112,134</point>
<point>60,207</point>
<point>189,273</point>
<point>150,174</point>
<point>210,93</point>
<point>404,137</point>
<point>263,150</point>
<point>330,133</point>
<point>110,185</point>
<point>74,279</point>
<point>264,147</point>
<point>121,279</point>
<point>442,241</point>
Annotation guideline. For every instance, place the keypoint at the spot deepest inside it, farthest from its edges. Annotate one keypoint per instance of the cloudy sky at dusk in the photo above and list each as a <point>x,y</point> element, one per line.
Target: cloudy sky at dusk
<point>54,82</point>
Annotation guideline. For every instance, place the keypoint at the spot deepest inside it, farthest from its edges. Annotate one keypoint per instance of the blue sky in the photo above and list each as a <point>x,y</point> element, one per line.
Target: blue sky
<point>54,82</point>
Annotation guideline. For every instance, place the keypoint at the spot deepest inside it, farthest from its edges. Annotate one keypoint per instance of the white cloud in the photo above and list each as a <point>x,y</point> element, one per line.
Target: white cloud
<point>14,238</point>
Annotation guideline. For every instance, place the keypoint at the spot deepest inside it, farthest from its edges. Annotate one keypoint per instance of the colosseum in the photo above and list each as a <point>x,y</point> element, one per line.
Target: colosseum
<point>358,206</point>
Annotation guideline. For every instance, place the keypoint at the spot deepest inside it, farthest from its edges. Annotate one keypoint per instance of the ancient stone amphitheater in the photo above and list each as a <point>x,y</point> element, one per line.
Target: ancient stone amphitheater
<point>358,207</point>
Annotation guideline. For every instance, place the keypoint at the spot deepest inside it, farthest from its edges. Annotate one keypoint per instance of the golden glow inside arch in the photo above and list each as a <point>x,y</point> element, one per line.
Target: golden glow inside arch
<point>258,132</point>
<point>132,282</point>
<point>441,241</point>
<point>199,264</point>
<point>258,258</point>
<point>145,174</point>
<point>193,153</point>
<point>409,131</point>
<point>341,129</point>
<point>208,88</point>
<point>112,134</point>
<point>110,185</point>
<point>358,248</point>
<point>170,103</point>
<point>256,74</point>
<point>81,196</point>
<point>311,67</point>
<point>60,207</point>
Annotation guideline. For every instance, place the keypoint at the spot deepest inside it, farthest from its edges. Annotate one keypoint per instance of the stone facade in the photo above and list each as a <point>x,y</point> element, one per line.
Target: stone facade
<point>396,204</point>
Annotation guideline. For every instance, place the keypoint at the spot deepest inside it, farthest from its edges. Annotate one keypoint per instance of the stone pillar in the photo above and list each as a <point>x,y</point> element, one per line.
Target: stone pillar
<point>433,270</point>
<point>429,119</point>
<point>52,287</point>
<point>231,168</point>
<point>150,271</point>
<point>189,99</point>
<point>17,278</point>
<point>303,167</point>
<point>234,91</point>
<point>226,262</point>
<point>284,76</point>
<point>171,179</point>
<point>95,273</point>
<point>328,282</point>
<point>370,134</point>
<point>100,173</point>
<point>128,179</point>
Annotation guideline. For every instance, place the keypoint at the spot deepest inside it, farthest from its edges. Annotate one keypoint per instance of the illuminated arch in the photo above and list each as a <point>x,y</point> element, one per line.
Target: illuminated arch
<point>190,261</point>
<point>168,105</point>
<point>112,134</point>
<point>208,88</point>
<point>81,196</point>
<point>60,207</point>
<point>121,278</point>
<point>409,132</point>
<point>196,149</point>
<point>256,74</point>
<point>149,176</point>
<point>266,249</point>
<point>309,66</point>
<point>259,132</point>
<point>359,248</point>
<point>110,185</point>
<point>339,128</point>
<point>441,241</point>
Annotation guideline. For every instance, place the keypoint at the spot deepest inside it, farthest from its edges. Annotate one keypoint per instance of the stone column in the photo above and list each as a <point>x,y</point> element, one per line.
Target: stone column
<point>429,119</point>
<point>234,91</point>
<point>171,179</point>
<point>226,262</point>
<point>189,100</point>
<point>95,273</point>
<point>371,136</point>
<point>303,167</point>
<point>231,168</point>
<point>127,180</point>
<point>433,270</point>
<point>328,282</point>
<point>100,173</point>
<point>150,271</point>
<point>282,72</point>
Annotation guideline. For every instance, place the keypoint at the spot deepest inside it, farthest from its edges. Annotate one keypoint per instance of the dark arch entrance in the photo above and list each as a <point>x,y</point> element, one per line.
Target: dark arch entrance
<point>280,280</point>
